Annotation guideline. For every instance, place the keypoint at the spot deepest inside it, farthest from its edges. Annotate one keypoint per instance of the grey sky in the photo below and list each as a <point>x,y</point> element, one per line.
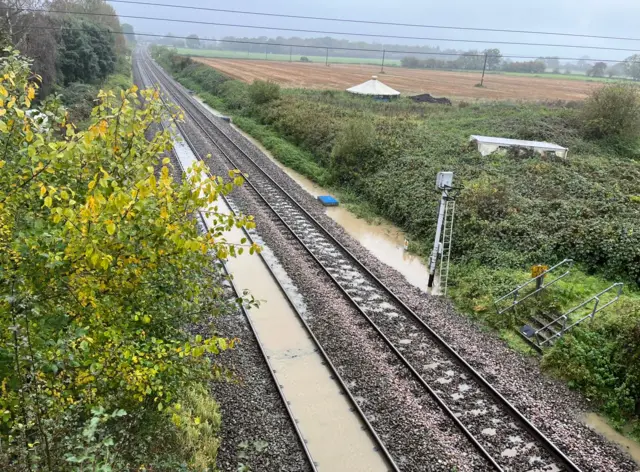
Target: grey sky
<point>610,17</point>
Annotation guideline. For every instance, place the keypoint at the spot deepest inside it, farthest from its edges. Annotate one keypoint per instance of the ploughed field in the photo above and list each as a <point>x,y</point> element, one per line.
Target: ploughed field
<point>408,81</point>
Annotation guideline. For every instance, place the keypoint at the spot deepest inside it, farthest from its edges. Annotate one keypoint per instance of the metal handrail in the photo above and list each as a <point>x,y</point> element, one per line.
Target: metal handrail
<point>514,293</point>
<point>595,310</point>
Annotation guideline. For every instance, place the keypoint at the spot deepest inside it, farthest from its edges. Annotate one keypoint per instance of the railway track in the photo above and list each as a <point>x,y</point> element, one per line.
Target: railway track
<point>250,234</point>
<point>496,429</point>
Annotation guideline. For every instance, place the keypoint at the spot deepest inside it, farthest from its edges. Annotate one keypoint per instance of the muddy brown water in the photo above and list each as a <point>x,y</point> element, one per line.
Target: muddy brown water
<point>384,240</point>
<point>335,436</point>
<point>600,426</point>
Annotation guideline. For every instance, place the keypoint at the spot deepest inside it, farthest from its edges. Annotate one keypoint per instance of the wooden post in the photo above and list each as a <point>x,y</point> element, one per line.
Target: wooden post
<point>266,50</point>
<point>382,66</point>
<point>484,68</point>
<point>326,62</point>
<point>290,53</point>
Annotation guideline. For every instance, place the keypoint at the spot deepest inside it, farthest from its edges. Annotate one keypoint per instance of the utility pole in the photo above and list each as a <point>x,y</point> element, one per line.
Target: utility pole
<point>290,53</point>
<point>326,62</point>
<point>484,68</point>
<point>382,66</point>
<point>266,50</point>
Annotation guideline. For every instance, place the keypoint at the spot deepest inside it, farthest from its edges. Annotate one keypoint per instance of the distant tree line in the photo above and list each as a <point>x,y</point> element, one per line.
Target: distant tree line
<point>426,57</point>
<point>64,48</point>
<point>474,60</point>
<point>273,46</point>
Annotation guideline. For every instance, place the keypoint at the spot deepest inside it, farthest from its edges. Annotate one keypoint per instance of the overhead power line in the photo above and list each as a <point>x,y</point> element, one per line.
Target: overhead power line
<point>330,48</point>
<point>370,35</point>
<point>371,22</point>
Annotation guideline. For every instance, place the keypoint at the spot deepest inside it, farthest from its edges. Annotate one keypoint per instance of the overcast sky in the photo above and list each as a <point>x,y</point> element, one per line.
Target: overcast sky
<point>598,17</point>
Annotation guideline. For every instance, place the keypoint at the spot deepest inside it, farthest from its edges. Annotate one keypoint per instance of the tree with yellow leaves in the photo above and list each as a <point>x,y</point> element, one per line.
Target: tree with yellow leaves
<point>102,267</point>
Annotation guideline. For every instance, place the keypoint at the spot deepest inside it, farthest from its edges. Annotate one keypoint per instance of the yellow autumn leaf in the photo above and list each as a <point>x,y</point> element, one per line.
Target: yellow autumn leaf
<point>111,227</point>
<point>102,128</point>
<point>48,202</point>
<point>3,91</point>
<point>31,93</point>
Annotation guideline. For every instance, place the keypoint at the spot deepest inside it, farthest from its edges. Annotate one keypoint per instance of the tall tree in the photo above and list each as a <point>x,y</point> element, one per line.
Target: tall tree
<point>494,58</point>
<point>129,33</point>
<point>632,66</point>
<point>597,70</point>
<point>15,20</point>
<point>193,41</point>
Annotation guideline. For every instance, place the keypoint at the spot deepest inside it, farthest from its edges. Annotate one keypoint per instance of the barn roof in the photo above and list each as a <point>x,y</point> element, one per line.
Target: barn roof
<point>488,145</point>
<point>375,88</point>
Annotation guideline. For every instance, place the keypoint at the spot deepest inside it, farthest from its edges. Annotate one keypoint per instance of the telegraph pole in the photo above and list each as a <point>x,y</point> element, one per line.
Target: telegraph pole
<point>484,68</point>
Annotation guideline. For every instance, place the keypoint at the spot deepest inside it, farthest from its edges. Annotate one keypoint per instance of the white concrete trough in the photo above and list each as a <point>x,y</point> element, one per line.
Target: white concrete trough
<point>488,145</point>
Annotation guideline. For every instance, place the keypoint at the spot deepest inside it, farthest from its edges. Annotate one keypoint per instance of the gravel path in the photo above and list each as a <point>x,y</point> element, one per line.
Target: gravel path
<point>547,403</point>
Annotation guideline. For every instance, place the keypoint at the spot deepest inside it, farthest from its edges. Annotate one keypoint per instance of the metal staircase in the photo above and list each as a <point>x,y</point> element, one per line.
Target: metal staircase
<point>544,330</point>
<point>445,246</point>
<point>532,287</point>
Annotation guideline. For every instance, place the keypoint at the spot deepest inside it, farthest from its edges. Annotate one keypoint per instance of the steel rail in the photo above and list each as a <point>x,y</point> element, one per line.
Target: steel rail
<point>517,415</point>
<point>272,371</point>
<point>387,341</point>
<point>354,404</point>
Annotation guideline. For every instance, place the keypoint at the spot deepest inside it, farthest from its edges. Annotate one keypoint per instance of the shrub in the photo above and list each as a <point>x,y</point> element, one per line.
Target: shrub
<point>262,92</point>
<point>235,94</point>
<point>603,361</point>
<point>79,99</point>
<point>305,59</point>
<point>103,271</point>
<point>613,111</point>
<point>354,151</point>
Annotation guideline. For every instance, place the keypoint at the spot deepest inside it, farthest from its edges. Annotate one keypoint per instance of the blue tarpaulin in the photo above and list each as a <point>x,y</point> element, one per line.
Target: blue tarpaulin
<point>328,200</point>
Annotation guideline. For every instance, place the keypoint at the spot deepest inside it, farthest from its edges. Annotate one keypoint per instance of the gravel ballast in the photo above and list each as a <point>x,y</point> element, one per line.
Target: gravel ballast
<point>256,428</point>
<point>548,404</point>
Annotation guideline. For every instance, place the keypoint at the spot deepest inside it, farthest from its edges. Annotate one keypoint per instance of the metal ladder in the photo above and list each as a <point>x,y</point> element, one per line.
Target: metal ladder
<point>445,245</point>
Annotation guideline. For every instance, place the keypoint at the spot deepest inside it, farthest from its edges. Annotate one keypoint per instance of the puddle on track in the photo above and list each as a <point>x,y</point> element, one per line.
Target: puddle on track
<point>600,426</point>
<point>385,241</point>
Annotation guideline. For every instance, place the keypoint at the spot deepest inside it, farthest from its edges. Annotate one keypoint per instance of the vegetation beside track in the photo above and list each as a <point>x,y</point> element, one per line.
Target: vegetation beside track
<point>103,274</point>
<point>515,210</point>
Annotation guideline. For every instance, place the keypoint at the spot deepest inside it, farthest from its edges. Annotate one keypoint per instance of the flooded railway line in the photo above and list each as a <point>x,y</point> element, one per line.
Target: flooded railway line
<point>499,433</point>
<point>327,420</point>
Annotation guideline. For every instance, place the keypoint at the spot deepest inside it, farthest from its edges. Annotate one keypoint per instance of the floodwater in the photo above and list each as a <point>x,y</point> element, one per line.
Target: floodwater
<point>384,240</point>
<point>335,435</point>
<point>599,425</point>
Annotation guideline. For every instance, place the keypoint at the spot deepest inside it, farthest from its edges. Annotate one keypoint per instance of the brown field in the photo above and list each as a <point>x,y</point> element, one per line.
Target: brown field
<point>438,83</point>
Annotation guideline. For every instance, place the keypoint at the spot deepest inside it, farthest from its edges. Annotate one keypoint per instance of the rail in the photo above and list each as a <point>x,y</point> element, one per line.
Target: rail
<point>540,286</point>
<point>354,403</point>
<point>536,433</point>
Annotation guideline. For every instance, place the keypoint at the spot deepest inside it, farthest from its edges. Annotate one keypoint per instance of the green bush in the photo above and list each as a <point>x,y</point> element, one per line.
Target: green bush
<point>613,111</point>
<point>603,361</point>
<point>235,94</point>
<point>262,92</point>
<point>354,151</point>
<point>79,99</point>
